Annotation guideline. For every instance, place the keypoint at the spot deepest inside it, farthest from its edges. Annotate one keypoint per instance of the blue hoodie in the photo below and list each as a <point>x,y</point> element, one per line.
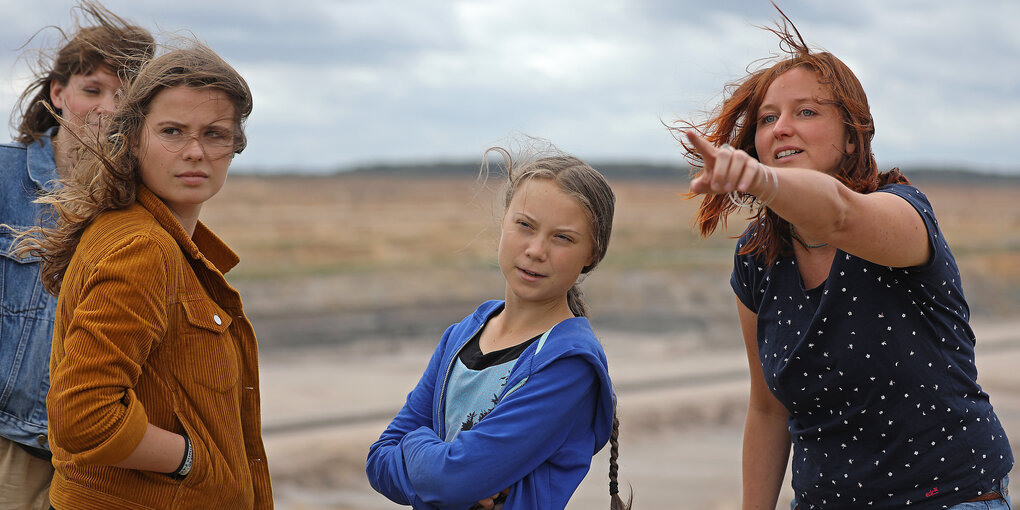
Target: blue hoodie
<point>554,414</point>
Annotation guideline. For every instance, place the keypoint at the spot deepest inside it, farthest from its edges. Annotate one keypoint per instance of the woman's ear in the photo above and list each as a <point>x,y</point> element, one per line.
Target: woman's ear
<point>592,260</point>
<point>134,142</point>
<point>56,94</point>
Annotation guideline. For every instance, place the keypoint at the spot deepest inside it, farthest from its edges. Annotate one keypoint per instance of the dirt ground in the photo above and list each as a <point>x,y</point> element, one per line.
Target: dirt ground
<point>349,281</point>
<point>681,409</point>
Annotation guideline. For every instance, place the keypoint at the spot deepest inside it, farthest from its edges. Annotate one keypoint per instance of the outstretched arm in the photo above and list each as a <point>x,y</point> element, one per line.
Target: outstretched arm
<point>879,227</point>
<point>95,415</point>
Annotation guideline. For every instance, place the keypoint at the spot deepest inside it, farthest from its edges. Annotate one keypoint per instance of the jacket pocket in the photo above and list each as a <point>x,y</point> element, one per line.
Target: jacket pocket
<point>210,349</point>
<point>214,482</point>
<point>200,461</point>
<point>20,285</point>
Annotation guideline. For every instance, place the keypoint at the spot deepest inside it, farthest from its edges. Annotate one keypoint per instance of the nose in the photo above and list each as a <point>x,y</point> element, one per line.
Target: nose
<point>193,149</point>
<point>782,126</point>
<point>107,104</point>
<point>537,248</point>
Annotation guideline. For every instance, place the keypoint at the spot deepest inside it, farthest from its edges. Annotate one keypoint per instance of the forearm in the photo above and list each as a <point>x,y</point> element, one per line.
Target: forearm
<point>523,431</point>
<point>766,452</point>
<point>160,451</point>
<point>815,203</point>
<point>387,473</point>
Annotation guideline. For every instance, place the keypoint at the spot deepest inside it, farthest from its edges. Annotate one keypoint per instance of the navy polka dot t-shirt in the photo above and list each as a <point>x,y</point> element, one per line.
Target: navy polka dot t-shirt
<point>876,367</point>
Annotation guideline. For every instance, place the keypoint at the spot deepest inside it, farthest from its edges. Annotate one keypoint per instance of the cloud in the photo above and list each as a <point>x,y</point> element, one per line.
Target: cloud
<point>342,83</point>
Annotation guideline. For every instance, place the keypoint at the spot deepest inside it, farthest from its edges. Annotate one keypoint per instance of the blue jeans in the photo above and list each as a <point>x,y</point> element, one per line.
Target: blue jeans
<point>1002,503</point>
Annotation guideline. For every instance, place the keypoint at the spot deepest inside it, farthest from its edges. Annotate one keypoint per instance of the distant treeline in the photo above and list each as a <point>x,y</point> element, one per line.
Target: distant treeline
<point>660,171</point>
<point>610,170</point>
<point>623,170</point>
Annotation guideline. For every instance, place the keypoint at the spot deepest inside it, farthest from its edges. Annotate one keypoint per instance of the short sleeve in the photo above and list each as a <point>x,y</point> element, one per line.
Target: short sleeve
<point>743,278</point>
<point>939,246</point>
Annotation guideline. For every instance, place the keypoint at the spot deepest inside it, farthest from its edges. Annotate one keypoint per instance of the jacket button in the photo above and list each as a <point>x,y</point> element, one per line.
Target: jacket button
<point>216,318</point>
<point>41,439</point>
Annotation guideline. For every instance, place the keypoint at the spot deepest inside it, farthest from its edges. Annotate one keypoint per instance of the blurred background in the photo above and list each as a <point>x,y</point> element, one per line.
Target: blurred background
<point>364,230</point>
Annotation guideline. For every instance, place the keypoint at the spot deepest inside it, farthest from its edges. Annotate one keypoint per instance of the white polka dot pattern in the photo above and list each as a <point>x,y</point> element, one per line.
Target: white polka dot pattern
<point>876,367</point>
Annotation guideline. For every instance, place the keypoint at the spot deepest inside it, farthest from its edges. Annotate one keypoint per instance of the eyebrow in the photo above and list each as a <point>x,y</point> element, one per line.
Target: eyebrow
<point>557,229</point>
<point>175,122</point>
<point>799,100</point>
<point>93,79</point>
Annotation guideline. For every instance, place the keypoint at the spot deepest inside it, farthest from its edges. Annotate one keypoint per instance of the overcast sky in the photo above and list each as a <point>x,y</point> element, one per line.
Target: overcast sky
<point>342,83</point>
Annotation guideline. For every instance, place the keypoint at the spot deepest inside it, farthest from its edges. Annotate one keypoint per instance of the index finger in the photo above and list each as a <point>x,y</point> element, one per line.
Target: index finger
<point>704,148</point>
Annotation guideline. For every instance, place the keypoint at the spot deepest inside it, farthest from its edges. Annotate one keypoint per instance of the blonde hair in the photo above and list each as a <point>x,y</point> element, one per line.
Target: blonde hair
<point>584,184</point>
<point>591,190</point>
<point>105,173</point>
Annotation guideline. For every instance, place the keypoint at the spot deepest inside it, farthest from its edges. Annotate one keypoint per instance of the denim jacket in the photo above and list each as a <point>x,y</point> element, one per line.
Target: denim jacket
<point>26,310</point>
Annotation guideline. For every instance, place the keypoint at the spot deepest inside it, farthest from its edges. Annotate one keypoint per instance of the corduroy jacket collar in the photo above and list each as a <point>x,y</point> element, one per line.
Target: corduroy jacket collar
<point>204,246</point>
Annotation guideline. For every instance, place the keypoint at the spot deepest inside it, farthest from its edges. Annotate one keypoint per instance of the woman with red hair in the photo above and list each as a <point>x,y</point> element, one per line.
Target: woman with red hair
<point>850,302</point>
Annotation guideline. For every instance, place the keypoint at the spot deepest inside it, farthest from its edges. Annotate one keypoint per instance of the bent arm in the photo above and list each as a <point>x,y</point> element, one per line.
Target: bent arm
<point>385,467</point>
<point>766,449</point>
<point>523,431</point>
<point>94,412</point>
<point>159,450</point>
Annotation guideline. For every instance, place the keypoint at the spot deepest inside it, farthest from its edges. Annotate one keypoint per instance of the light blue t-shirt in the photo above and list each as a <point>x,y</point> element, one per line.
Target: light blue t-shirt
<point>476,381</point>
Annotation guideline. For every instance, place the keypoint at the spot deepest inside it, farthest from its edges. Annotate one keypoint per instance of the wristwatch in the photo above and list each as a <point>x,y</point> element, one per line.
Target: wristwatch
<point>185,467</point>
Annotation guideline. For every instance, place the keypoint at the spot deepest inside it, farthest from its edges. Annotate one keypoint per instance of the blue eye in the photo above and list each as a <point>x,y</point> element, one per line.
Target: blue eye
<point>768,119</point>
<point>808,113</point>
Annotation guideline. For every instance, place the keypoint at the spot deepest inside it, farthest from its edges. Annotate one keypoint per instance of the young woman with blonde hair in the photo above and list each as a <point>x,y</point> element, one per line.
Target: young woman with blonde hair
<point>517,396</point>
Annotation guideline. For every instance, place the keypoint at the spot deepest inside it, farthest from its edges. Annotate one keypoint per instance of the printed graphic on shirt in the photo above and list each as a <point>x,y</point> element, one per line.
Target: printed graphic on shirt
<point>476,382</point>
<point>472,394</point>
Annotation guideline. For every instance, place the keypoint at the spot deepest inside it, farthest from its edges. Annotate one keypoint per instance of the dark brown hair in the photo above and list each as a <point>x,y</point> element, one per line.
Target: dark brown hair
<point>101,40</point>
<point>734,123</point>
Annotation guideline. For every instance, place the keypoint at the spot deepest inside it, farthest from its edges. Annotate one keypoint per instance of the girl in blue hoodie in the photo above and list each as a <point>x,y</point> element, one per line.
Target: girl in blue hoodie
<point>516,398</point>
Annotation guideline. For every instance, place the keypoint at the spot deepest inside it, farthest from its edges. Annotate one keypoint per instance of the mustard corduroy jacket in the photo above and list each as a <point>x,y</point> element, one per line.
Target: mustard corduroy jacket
<point>149,331</point>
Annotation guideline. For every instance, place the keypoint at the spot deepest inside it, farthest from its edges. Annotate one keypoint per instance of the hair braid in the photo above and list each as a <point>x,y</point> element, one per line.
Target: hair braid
<point>615,501</point>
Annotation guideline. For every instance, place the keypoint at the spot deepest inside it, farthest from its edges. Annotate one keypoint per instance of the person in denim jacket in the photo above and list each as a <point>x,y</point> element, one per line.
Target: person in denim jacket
<point>79,85</point>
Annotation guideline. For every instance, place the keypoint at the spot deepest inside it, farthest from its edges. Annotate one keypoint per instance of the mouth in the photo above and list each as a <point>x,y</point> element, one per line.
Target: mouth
<point>192,178</point>
<point>787,153</point>
<point>531,275</point>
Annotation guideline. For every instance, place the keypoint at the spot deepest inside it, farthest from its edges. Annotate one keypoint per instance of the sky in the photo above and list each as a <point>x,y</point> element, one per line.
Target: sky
<point>339,84</point>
